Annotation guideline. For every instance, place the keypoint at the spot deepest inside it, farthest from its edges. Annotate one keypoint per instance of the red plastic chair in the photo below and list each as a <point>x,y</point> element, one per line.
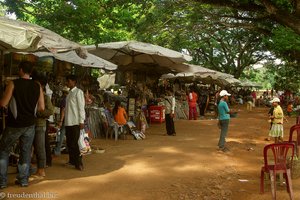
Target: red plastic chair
<point>279,152</point>
<point>295,128</point>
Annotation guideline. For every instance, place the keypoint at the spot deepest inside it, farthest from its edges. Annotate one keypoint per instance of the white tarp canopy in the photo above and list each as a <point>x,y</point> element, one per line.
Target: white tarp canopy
<point>133,55</point>
<point>204,75</point>
<point>71,57</point>
<point>106,80</point>
<point>18,35</point>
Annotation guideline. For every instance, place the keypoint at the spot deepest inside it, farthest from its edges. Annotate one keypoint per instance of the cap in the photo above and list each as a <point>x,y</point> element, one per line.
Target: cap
<point>275,99</point>
<point>224,93</point>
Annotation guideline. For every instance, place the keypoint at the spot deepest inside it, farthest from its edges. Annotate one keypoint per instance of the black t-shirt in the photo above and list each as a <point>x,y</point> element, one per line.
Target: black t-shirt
<point>22,106</point>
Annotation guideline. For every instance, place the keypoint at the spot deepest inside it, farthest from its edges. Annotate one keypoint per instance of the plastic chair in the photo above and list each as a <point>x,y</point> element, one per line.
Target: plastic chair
<point>295,128</point>
<point>111,126</point>
<point>280,152</point>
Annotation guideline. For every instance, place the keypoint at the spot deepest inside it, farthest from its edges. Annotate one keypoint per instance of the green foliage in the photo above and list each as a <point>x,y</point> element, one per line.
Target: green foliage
<point>264,75</point>
<point>2,10</point>
<point>198,29</point>
<point>284,5</point>
<point>226,38</point>
<point>284,40</point>
<point>285,76</point>
<point>88,22</point>
<point>96,73</point>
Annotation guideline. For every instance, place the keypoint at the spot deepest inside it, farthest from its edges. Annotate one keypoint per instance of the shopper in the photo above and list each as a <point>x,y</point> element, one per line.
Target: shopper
<point>170,112</point>
<point>23,96</point>
<point>74,121</point>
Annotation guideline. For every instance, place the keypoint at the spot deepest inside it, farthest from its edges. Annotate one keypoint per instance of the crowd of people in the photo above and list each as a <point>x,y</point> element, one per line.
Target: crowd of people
<point>30,107</point>
<point>28,111</point>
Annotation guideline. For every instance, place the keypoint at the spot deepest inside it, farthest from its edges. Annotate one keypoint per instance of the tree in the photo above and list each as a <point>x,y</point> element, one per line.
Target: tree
<point>183,25</point>
<point>227,35</point>
<point>230,50</point>
<point>284,12</point>
<point>286,76</point>
<point>269,17</point>
<point>88,22</point>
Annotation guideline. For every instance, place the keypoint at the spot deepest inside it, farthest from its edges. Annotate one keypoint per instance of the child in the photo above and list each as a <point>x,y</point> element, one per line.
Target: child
<point>277,117</point>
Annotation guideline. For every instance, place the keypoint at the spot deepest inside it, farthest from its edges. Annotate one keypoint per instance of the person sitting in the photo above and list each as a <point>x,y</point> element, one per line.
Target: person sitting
<point>120,115</point>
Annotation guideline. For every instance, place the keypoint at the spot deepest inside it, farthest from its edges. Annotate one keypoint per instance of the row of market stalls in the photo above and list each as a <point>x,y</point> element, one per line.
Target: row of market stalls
<point>196,73</point>
<point>136,67</point>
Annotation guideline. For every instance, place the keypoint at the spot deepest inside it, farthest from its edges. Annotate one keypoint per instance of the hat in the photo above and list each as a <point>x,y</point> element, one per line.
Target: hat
<point>224,93</point>
<point>275,99</point>
<point>65,89</point>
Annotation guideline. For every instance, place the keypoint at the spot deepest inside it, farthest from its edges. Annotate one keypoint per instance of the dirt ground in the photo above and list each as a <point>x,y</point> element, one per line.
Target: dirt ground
<point>187,166</point>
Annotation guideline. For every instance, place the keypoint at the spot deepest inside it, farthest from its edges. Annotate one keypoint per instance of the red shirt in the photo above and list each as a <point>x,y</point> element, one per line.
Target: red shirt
<point>192,99</point>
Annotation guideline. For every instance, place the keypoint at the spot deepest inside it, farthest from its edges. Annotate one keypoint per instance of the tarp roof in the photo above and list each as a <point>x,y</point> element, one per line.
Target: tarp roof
<point>71,57</point>
<point>18,35</point>
<point>134,55</point>
<point>205,75</point>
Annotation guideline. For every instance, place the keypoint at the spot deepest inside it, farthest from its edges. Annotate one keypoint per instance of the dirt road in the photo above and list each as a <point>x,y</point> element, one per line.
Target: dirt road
<point>187,166</point>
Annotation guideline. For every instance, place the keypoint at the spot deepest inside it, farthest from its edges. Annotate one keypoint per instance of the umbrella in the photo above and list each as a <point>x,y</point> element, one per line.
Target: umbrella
<point>71,57</point>
<point>209,76</point>
<point>18,35</point>
<point>188,73</point>
<point>133,55</point>
<point>205,75</point>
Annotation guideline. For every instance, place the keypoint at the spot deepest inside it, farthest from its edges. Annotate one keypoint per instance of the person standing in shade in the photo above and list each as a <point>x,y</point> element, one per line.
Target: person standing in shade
<point>74,121</point>
<point>203,101</point>
<point>224,118</point>
<point>22,96</point>
<point>40,129</point>
<point>277,117</point>
<point>169,112</point>
<point>192,100</point>
<point>61,124</point>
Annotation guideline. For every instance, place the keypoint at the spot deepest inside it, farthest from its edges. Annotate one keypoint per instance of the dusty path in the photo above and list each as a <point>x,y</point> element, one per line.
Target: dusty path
<point>186,166</point>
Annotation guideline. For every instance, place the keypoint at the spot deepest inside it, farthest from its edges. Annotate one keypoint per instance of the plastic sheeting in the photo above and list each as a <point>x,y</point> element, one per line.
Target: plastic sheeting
<point>71,57</point>
<point>106,80</point>
<point>205,75</point>
<point>131,53</point>
<point>18,35</point>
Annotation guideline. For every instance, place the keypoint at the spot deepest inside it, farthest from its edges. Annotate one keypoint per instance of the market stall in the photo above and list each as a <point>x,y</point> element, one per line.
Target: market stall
<point>139,67</point>
<point>18,36</point>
